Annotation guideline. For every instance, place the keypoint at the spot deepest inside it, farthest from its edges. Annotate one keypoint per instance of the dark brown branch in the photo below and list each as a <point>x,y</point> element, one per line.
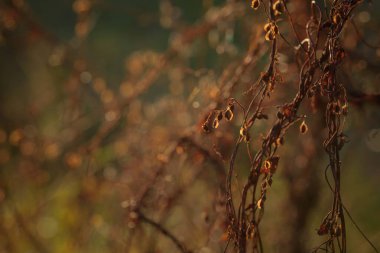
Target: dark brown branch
<point>164,231</point>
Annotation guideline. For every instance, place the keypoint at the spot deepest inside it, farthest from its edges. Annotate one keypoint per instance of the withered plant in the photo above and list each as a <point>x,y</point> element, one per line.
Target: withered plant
<point>184,150</point>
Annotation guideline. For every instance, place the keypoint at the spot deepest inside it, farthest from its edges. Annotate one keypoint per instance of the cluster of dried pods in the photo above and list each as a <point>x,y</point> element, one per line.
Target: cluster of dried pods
<point>317,78</point>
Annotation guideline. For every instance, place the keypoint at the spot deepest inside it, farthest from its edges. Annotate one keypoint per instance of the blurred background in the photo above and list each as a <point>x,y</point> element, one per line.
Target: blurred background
<point>101,107</point>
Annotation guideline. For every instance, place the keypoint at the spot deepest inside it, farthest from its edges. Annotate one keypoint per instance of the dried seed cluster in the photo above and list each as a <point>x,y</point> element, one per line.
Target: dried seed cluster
<point>219,115</point>
<point>271,31</point>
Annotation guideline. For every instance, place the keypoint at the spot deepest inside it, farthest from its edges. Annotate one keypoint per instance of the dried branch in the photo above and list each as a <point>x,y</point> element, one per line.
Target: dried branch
<point>163,231</point>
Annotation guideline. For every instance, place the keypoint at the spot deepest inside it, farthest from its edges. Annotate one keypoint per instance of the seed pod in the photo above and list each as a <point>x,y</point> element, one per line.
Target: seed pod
<point>260,115</point>
<point>278,8</point>
<point>251,234</point>
<point>303,128</point>
<point>322,230</point>
<point>276,13</point>
<point>273,163</point>
<point>269,36</point>
<point>280,141</point>
<point>228,114</point>
<point>260,204</point>
<point>337,18</point>
<point>215,124</point>
<point>205,128</point>
<point>244,133</point>
<point>220,116</point>
<point>267,165</point>
<point>267,27</point>
<point>270,86</point>
<point>255,4</point>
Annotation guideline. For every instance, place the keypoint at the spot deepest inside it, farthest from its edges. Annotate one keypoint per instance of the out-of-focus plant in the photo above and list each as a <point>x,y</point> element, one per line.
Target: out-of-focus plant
<point>180,150</point>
